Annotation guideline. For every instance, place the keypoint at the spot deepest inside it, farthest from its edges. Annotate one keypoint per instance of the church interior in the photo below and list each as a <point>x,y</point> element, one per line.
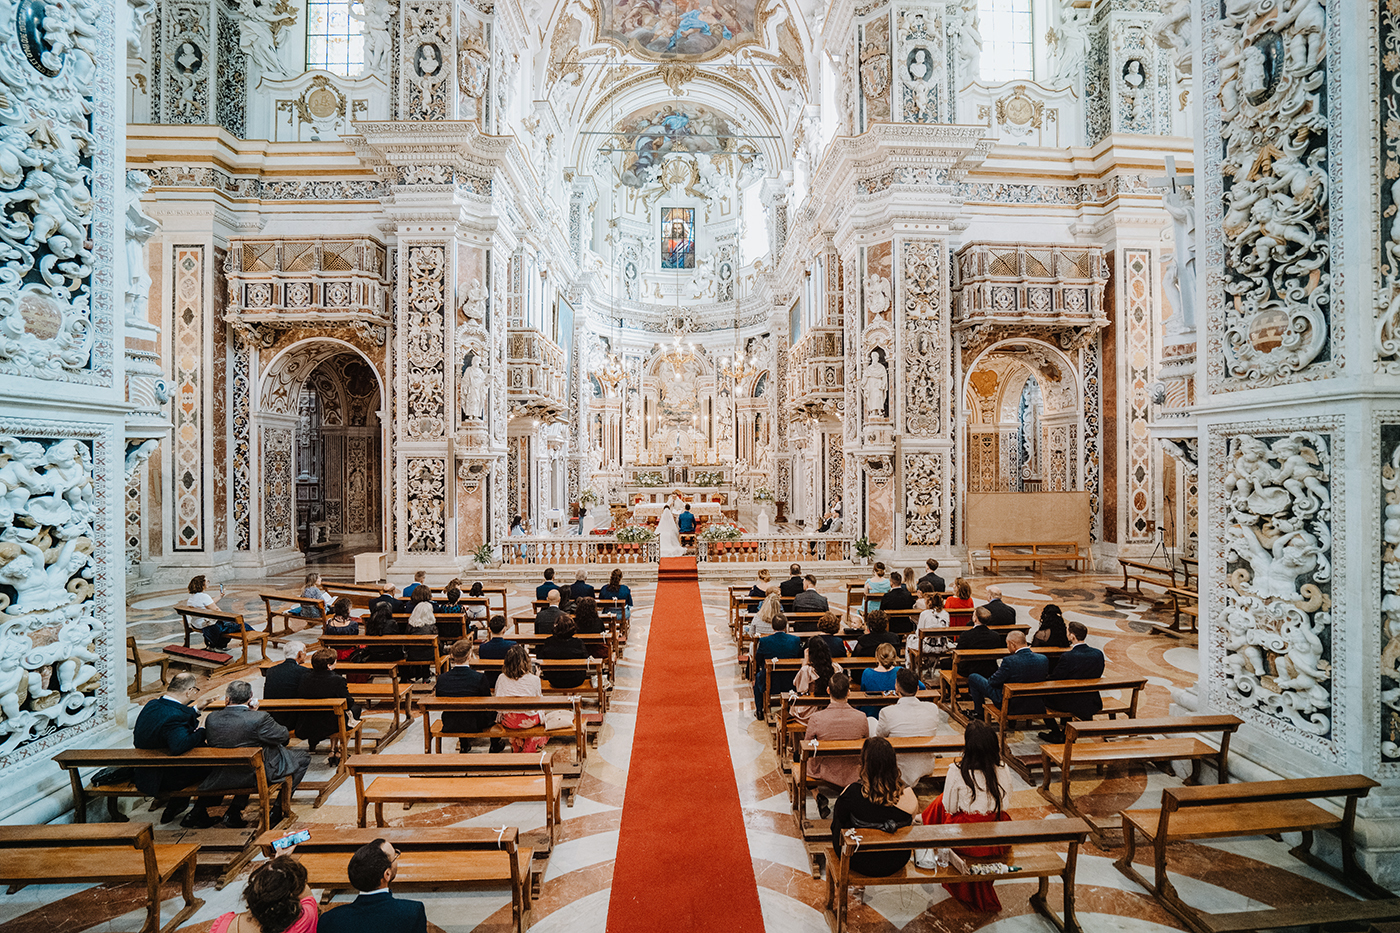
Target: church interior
<point>662,383</point>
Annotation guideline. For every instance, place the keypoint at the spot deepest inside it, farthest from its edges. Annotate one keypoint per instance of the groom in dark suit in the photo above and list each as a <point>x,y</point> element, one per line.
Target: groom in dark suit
<point>371,869</point>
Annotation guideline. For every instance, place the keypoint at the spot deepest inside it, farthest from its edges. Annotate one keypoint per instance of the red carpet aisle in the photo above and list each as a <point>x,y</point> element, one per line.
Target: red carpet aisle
<point>683,859</point>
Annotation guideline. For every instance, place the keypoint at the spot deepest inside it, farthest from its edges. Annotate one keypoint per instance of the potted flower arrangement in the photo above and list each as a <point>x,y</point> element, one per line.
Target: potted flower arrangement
<point>634,534</point>
<point>763,494</point>
<point>722,531</point>
<point>484,556</point>
<point>588,498</point>
<point>862,550</point>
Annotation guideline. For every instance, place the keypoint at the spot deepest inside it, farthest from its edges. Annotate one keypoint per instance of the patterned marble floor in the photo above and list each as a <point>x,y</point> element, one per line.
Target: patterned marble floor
<point>1232,875</point>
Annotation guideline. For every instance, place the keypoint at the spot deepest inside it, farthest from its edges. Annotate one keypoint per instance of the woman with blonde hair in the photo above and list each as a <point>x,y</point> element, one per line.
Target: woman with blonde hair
<point>771,609</point>
<point>760,588</point>
<point>879,798</point>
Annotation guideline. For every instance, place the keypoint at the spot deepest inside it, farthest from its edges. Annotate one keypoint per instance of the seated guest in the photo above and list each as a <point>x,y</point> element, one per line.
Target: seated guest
<point>563,646</point>
<point>517,526</point>
<point>170,724</point>
<point>312,590</point>
<point>814,677</point>
<point>960,602</point>
<point>760,588</point>
<point>419,583</point>
<point>877,633</point>
<point>476,612</point>
<point>880,678</point>
<point>278,898</point>
<point>876,798</point>
<point>420,622</point>
<point>340,622</point>
<point>836,722</point>
<point>829,627</point>
<point>240,724</point>
<point>778,645</point>
<point>586,618</point>
<point>685,522</point>
<point>582,587</point>
<point>323,683</point>
<point>451,601</point>
<point>517,679</point>
<point>496,647</point>
<point>615,589</point>
<point>542,591</point>
<point>924,598</point>
<point>768,615</point>
<point>1051,633</point>
<point>371,870</point>
<point>932,617</point>
<point>980,638</point>
<point>809,600</point>
<point>549,615</point>
<point>460,680</point>
<point>282,681</point>
<point>1080,662</point>
<point>932,578</point>
<point>898,598</point>
<point>876,587</point>
<point>910,717</point>
<point>215,634</point>
<point>793,584</point>
<point>1021,666</point>
<point>975,791</point>
<point>1001,613</point>
<point>381,622</point>
<point>385,598</point>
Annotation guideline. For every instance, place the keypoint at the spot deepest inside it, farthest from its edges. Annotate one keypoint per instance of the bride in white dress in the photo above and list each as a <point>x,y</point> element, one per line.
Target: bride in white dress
<point>670,534</point>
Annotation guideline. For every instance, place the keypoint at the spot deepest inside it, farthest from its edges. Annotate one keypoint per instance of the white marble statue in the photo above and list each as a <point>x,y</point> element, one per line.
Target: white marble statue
<point>969,43</point>
<point>140,11</point>
<point>875,386</point>
<point>1173,30</point>
<point>376,19</point>
<point>473,388</point>
<point>877,296</point>
<point>1182,208</point>
<point>257,37</point>
<point>140,227</point>
<point>1071,45</point>
<point>39,587</point>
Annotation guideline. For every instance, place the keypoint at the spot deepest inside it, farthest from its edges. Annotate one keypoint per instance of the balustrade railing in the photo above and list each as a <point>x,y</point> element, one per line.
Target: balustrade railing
<point>606,549</point>
<point>796,548</point>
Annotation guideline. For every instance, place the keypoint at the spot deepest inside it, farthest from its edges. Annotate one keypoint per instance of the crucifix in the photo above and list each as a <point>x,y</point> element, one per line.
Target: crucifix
<point>1182,208</point>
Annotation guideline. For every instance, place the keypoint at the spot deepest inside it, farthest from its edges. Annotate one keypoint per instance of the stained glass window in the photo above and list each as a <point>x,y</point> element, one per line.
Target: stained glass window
<point>1008,44</point>
<point>678,238</point>
<point>335,39</point>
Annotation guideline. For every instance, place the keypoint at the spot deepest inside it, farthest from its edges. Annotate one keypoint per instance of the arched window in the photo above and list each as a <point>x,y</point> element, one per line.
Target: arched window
<point>335,40</point>
<point>1008,39</point>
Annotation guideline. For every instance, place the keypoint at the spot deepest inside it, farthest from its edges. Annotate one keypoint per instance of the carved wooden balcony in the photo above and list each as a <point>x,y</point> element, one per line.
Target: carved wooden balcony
<point>1024,286</point>
<point>279,283</point>
<point>816,371</point>
<point>536,375</point>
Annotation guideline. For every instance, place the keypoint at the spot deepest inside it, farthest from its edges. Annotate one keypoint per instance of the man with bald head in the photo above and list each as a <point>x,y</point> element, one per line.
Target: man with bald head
<point>1021,666</point>
<point>546,617</point>
<point>1000,612</point>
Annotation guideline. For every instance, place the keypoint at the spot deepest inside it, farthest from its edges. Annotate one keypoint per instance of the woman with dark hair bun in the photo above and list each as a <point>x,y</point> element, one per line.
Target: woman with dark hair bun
<point>1052,632</point>
<point>878,799</point>
<point>278,899</point>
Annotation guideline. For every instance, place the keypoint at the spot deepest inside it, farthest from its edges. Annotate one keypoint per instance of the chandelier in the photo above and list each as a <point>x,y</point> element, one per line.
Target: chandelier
<point>613,373</point>
<point>738,365</point>
<point>678,354</point>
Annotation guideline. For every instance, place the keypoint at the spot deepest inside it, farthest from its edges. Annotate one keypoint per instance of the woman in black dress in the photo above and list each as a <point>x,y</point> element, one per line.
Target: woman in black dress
<point>879,800</point>
<point>323,683</point>
<point>1052,632</point>
<point>381,622</point>
<point>561,645</point>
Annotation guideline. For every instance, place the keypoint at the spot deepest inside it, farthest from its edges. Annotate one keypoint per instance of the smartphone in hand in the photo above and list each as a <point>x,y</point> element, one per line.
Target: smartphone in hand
<point>292,839</point>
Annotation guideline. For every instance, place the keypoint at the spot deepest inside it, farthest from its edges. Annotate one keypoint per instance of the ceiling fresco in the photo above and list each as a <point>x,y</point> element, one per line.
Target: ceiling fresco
<point>694,30</point>
<point>648,138</point>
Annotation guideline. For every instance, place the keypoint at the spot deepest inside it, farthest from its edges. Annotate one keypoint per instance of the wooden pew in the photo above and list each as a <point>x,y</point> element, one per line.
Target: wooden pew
<point>1257,808</point>
<point>411,779</point>
<point>1036,555</point>
<point>102,853</point>
<point>613,627</point>
<point>311,611</point>
<point>1005,719</point>
<point>1138,573</point>
<point>211,616</point>
<point>1189,570</point>
<point>1185,602</point>
<point>397,693</point>
<point>1037,863</point>
<point>953,681</point>
<point>433,733</point>
<point>853,667</point>
<point>143,659</point>
<point>592,688</point>
<point>250,759</point>
<point>930,637</point>
<point>438,663</point>
<point>1077,751</point>
<point>903,621</point>
<point>359,594</point>
<point>322,789</point>
<point>604,642</point>
<point>457,858</point>
<point>451,626</point>
<point>789,728</point>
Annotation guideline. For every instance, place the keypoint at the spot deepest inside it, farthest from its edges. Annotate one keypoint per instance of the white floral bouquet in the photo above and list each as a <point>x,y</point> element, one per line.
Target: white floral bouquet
<point>634,534</point>
<point>722,531</point>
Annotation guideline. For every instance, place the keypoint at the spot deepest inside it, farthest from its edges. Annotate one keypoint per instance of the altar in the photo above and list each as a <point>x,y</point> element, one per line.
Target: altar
<point>648,510</point>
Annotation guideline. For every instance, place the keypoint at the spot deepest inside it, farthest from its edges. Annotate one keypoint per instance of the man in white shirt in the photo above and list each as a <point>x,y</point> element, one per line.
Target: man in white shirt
<point>909,716</point>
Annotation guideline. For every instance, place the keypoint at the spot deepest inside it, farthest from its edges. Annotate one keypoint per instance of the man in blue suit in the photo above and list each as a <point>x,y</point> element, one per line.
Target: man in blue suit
<point>686,521</point>
<point>542,591</point>
<point>780,644</point>
<point>371,869</point>
<point>170,724</point>
<point>1021,666</point>
<point>582,587</point>
<point>1080,662</point>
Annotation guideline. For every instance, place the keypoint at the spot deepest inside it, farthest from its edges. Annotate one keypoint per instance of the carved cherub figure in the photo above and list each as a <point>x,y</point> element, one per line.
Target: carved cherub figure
<point>1300,473</point>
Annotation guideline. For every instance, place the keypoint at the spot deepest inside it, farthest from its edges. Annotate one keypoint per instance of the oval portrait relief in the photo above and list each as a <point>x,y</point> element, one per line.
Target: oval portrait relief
<point>427,61</point>
<point>29,24</point>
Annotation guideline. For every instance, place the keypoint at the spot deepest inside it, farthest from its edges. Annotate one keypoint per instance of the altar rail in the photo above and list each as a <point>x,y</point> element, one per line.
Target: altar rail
<point>606,549</point>
<point>758,548</point>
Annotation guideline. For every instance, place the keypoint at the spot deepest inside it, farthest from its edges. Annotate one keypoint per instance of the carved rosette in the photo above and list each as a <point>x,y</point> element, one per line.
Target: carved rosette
<point>426,495</point>
<point>923,498</point>
<point>1273,315</point>
<point>423,350</point>
<point>1272,643</point>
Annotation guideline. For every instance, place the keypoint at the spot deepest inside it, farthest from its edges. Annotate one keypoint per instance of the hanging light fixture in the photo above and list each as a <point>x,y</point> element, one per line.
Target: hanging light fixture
<point>613,373</point>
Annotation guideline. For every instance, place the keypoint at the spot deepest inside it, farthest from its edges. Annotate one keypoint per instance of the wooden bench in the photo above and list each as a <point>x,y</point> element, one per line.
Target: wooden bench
<point>1256,808</point>
<point>359,594</point>
<point>1077,751</point>
<point>1037,863</point>
<point>1190,568</point>
<point>1037,554</point>
<point>396,692</point>
<point>291,606</point>
<point>593,686</point>
<point>143,659</point>
<point>102,853</point>
<point>1185,602</point>
<point>248,759</point>
<point>451,626</point>
<point>456,858</point>
<point>1137,573</point>
<point>1005,719</point>
<point>853,667</point>
<point>438,662</point>
<point>433,732</point>
<point>337,706</point>
<point>930,637</point>
<point>953,681</point>
<point>451,779</point>
<point>790,728</point>
<point>604,643</point>
<point>212,616</point>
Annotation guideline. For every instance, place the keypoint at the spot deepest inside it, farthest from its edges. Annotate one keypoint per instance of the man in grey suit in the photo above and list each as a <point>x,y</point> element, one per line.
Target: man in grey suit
<point>240,724</point>
<point>809,600</point>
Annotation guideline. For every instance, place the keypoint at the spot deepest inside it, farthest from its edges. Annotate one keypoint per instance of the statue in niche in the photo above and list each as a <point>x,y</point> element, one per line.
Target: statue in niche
<point>258,28</point>
<point>877,296</point>
<point>1132,74</point>
<point>474,305</point>
<point>473,390</point>
<point>1181,290</point>
<point>376,22</point>
<point>140,227</point>
<point>919,66</point>
<point>875,385</point>
<point>970,43</point>
<point>427,61</point>
<point>1071,44</point>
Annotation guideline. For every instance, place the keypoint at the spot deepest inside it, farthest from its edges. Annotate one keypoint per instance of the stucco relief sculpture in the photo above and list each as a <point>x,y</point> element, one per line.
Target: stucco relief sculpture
<point>376,23</point>
<point>1387,191</point>
<point>474,378</point>
<point>923,498</point>
<point>424,340</point>
<point>875,386</point>
<point>877,297</point>
<point>969,36</point>
<point>1278,551</point>
<point>1276,226</point>
<point>1071,45</point>
<point>140,11</point>
<point>1389,441</point>
<point>260,28</point>
<point>140,227</point>
<point>426,49</point>
<point>48,677</point>
<point>427,493</point>
<point>1180,281</point>
<point>1173,31</point>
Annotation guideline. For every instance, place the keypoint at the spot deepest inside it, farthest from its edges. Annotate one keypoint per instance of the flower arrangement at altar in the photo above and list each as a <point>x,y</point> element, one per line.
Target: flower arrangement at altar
<point>763,494</point>
<point>722,531</point>
<point>588,497</point>
<point>634,534</point>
